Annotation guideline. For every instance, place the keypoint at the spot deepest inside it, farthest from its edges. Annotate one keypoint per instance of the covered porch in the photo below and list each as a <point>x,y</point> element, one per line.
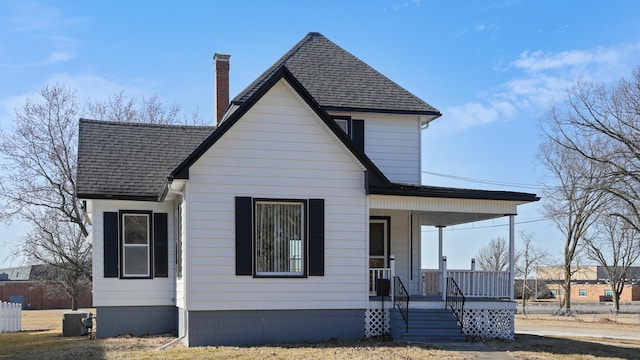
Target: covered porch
<point>476,297</point>
<point>396,238</point>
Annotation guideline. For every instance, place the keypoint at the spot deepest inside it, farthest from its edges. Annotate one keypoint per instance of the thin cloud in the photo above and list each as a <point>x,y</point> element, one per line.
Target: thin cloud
<point>486,27</point>
<point>44,28</point>
<point>33,16</point>
<point>541,60</point>
<point>54,57</point>
<point>540,78</point>
<point>468,115</point>
<point>87,86</point>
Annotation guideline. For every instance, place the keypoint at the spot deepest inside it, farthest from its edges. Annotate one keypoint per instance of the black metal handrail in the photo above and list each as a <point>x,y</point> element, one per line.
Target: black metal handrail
<point>401,300</point>
<point>455,301</point>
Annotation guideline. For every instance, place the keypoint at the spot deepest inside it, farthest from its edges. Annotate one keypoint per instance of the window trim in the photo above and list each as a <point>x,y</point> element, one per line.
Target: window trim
<point>343,118</point>
<point>305,240</point>
<point>386,220</point>
<point>150,243</point>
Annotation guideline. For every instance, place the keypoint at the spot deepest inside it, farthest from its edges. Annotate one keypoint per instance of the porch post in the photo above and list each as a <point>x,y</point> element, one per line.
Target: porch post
<point>512,231</point>
<point>443,283</point>
<point>440,247</point>
<point>392,265</point>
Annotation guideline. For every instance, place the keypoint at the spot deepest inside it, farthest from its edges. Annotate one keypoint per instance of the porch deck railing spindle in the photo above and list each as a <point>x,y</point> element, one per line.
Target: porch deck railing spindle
<point>378,273</point>
<point>478,283</point>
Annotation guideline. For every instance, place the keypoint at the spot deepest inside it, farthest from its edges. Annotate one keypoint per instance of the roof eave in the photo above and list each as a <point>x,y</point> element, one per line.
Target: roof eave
<point>432,114</point>
<point>450,193</point>
<point>154,198</point>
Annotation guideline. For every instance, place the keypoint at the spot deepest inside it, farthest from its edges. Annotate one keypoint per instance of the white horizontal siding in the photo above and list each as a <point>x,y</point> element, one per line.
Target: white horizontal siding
<point>393,143</point>
<point>278,149</point>
<point>130,292</point>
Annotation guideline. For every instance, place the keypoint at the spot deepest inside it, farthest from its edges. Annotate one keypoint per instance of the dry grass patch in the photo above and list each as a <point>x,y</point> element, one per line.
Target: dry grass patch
<point>557,348</point>
<point>42,340</point>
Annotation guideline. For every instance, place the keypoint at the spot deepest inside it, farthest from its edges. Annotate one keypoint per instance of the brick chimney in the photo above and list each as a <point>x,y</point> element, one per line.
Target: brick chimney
<point>221,84</point>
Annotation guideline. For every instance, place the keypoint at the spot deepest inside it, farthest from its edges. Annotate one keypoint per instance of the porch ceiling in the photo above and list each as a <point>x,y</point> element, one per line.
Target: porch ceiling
<point>446,211</point>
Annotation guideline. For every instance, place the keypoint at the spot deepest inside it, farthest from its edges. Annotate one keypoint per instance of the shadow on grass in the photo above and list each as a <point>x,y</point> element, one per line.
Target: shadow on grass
<point>45,344</point>
<point>542,345</point>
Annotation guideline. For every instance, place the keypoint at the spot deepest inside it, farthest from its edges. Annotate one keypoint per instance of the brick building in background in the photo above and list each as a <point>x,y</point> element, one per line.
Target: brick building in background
<point>590,284</point>
<point>24,285</point>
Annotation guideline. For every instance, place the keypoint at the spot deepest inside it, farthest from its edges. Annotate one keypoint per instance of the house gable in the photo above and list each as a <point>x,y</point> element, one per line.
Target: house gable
<point>375,176</point>
<point>279,150</point>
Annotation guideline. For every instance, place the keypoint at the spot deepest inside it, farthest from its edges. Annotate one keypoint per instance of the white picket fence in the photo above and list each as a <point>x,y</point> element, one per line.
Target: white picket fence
<point>10,317</point>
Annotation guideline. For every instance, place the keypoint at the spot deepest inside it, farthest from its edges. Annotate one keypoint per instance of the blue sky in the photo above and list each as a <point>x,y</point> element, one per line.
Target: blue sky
<point>493,68</point>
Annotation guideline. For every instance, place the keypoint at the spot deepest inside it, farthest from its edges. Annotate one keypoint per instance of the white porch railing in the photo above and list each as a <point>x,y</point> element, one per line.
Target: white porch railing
<point>381,273</point>
<point>473,283</point>
<point>10,317</point>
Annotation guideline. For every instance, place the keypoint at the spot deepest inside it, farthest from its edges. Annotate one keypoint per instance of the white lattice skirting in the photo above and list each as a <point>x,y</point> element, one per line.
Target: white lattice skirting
<point>489,323</point>
<point>376,322</point>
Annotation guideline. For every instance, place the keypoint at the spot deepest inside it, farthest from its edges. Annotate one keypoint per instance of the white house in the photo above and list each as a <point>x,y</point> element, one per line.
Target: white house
<point>276,224</point>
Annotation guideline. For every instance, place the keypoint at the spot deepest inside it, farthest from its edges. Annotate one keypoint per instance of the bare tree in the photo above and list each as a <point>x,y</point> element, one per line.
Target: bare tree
<point>62,247</point>
<point>573,199</point>
<point>616,249</point>
<point>494,256</point>
<point>600,133</point>
<point>530,257</point>
<point>38,179</point>
<point>123,108</point>
<point>40,159</point>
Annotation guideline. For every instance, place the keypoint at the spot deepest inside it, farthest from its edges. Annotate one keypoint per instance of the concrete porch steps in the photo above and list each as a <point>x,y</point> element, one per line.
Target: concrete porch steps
<point>435,325</point>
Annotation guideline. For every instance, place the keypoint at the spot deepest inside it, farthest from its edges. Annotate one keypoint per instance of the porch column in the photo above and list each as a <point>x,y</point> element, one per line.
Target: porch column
<point>443,283</point>
<point>440,247</point>
<point>442,263</point>
<point>512,231</point>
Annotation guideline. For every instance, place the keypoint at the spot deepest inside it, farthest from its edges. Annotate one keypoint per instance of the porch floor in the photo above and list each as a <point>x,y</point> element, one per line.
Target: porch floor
<point>430,298</point>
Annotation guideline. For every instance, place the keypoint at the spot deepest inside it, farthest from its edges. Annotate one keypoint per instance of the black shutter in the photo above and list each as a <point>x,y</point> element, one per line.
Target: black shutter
<point>357,133</point>
<point>160,245</point>
<point>243,236</point>
<point>316,237</point>
<point>110,242</point>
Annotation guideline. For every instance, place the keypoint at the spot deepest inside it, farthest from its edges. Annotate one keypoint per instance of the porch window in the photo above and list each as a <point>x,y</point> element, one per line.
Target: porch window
<point>136,244</point>
<point>279,238</point>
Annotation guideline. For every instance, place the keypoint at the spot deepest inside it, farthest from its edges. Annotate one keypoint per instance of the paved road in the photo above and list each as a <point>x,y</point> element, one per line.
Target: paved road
<point>559,330</point>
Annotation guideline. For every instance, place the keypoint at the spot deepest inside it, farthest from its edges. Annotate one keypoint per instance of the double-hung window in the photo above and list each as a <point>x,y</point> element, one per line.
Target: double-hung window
<point>136,244</point>
<point>279,238</point>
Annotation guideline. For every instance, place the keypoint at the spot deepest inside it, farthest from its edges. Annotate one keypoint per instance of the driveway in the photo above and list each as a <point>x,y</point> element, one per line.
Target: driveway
<point>557,329</point>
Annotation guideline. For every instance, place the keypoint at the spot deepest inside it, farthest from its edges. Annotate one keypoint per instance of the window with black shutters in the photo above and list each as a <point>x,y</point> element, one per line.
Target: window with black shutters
<point>279,237</point>
<point>135,245</point>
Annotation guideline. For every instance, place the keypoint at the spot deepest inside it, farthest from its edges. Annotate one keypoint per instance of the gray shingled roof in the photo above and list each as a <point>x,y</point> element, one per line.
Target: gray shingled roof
<point>338,80</point>
<point>131,160</point>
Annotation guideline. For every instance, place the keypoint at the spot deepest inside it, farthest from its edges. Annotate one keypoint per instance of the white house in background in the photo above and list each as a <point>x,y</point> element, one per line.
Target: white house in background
<point>275,225</point>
